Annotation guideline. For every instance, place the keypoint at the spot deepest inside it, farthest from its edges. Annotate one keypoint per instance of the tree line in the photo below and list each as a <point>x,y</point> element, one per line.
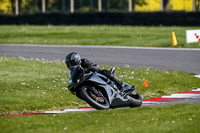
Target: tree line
<point>35,6</point>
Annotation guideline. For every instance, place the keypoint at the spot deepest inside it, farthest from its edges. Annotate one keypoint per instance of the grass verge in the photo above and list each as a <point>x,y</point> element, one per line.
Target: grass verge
<point>37,85</point>
<point>95,35</point>
<point>165,119</point>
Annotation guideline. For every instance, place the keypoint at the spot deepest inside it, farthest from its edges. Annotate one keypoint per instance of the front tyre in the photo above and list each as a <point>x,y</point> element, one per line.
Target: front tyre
<point>135,98</point>
<point>94,97</point>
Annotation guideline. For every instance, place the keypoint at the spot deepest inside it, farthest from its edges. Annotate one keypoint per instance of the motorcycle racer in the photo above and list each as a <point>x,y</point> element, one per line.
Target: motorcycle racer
<point>74,59</point>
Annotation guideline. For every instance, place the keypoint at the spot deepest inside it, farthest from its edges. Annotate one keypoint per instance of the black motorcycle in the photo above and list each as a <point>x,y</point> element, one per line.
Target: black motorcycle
<point>100,92</point>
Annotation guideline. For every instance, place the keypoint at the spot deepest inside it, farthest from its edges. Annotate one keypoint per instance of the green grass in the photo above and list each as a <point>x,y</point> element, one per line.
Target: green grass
<point>95,35</point>
<point>160,119</point>
<point>31,85</point>
<point>37,85</point>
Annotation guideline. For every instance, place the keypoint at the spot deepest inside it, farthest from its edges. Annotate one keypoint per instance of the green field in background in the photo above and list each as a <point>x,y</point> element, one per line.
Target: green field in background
<point>95,35</point>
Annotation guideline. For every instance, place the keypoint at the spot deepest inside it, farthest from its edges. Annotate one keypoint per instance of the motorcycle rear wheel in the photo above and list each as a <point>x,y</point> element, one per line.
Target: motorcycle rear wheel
<point>97,101</point>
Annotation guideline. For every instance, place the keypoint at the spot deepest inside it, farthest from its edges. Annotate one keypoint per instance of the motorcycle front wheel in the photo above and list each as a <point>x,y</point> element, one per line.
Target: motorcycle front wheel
<point>135,98</point>
<point>94,97</point>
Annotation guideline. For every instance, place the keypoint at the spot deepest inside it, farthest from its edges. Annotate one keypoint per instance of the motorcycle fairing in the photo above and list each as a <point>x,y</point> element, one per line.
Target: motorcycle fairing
<point>96,80</point>
<point>115,99</point>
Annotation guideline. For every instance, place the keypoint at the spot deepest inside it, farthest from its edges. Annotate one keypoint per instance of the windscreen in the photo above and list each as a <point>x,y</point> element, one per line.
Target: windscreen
<point>76,73</point>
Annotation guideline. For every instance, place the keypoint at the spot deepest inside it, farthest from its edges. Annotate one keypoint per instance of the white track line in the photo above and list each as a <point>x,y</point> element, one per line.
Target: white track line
<point>196,89</point>
<point>154,102</point>
<point>68,111</point>
<point>197,76</point>
<point>182,96</point>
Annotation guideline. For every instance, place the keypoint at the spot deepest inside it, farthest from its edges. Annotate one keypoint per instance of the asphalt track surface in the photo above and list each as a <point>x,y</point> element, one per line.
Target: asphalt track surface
<point>180,59</point>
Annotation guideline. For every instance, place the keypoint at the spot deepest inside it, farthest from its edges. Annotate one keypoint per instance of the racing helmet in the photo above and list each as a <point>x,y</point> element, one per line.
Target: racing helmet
<point>72,59</point>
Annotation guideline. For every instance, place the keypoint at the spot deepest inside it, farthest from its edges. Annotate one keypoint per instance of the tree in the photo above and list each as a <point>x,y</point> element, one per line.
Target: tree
<point>5,7</point>
<point>35,6</point>
<point>109,5</point>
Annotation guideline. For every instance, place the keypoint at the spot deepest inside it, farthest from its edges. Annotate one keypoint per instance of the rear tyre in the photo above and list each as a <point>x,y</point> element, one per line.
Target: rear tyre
<point>94,97</point>
<point>135,98</point>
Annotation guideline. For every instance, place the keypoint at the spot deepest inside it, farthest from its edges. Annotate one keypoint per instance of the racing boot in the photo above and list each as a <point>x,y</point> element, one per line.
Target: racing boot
<point>120,84</point>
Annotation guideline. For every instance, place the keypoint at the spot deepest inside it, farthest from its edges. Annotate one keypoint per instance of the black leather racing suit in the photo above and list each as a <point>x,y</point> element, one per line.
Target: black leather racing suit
<point>88,65</point>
